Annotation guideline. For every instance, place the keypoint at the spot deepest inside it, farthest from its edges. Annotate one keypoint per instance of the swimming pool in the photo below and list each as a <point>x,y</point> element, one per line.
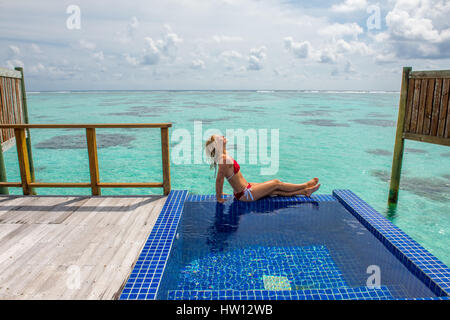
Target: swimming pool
<point>323,247</point>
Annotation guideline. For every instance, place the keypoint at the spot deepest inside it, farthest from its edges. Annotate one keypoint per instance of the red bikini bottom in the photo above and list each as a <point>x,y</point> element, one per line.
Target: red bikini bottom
<point>240,194</point>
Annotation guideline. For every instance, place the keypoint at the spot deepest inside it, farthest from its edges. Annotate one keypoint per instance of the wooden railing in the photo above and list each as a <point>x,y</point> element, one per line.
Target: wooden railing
<point>424,115</point>
<point>27,182</point>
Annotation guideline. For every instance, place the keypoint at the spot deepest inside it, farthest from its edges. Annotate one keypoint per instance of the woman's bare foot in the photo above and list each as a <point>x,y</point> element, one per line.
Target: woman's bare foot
<point>310,191</point>
<point>312,182</point>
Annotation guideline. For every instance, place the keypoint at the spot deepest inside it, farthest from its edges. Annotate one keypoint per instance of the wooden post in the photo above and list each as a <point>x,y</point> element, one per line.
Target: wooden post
<point>93,161</point>
<point>165,159</point>
<point>22,154</point>
<point>26,120</point>
<point>399,140</point>
<point>3,178</point>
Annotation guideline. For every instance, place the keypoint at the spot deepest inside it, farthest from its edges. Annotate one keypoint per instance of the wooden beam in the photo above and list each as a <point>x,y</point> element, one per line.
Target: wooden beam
<point>93,161</point>
<point>3,178</point>
<point>131,185</point>
<point>429,74</point>
<point>165,159</point>
<point>60,185</point>
<point>399,141</point>
<point>7,73</point>
<point>22,154</point>
<point>429,139</point>
<point>85,184</point>
<point>10,184</point>
<point>86,125</point>
<point>26,120</point>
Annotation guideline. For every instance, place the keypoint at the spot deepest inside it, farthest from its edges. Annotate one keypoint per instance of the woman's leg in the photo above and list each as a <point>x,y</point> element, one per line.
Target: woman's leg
<point>291,187</point>
<point>304,192</point>
<point>261,190</point>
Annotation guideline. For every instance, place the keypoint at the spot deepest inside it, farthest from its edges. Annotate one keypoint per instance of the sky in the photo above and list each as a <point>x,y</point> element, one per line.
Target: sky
<point>222,44</point>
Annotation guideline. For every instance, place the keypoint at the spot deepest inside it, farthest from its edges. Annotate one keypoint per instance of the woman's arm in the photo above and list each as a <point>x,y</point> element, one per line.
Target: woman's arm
<point>219,187</point>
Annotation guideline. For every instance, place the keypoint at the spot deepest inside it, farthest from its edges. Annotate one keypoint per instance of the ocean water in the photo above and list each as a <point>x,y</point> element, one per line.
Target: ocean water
<point>346,139</point>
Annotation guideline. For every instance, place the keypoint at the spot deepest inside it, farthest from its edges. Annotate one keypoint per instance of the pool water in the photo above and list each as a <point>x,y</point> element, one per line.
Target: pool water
<point>345,139</point>
<point>294,248</point>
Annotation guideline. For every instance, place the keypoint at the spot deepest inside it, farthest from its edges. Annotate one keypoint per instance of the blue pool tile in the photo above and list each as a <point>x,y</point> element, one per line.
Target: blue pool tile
<point>146,275</point>
<point>153,257</point>
<point>416,258</point>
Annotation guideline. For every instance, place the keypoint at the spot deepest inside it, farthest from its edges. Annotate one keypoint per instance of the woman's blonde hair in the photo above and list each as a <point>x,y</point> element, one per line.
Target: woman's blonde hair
<point>211,152</point>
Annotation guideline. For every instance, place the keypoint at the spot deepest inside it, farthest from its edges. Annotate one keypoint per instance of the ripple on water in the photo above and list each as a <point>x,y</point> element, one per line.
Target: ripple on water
<point>433,188</point>
<point>324,123</point>
<point>375,122</point>
<point>104,140</point>
<point>379,152</point>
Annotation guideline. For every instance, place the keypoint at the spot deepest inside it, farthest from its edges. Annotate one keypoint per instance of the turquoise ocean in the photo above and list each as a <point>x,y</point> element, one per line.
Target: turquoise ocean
<point>346,139</point>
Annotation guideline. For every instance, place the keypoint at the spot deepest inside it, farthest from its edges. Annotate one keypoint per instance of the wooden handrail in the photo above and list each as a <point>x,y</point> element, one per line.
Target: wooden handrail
<point>26,181</point>
<point>85,125</point>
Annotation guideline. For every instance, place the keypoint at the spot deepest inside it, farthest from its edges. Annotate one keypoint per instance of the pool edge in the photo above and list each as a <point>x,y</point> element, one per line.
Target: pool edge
<point>425,266</point>
<point>158,245</point>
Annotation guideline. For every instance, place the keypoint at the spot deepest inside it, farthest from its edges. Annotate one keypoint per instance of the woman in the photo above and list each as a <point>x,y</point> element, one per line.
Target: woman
<point>244,191</point>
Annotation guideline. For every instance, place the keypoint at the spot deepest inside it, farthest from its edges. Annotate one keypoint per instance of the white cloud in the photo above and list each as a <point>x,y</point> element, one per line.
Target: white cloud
<point>418,29</point>
<point>131,60</point>
<point>327,56</point>
<point>341,30</point>
<point>14,63</point>
<point>151,52</point>
<point>87,44</point>
<point>224,39</point>
<point>300,49</point>
<point>35,48</point>
<point>14,50</point>
<point>256,58</point>
<point>38,68</point>
<point>352,47</point>
<point>416,23</point>
<point>132,26</point>
<point>350,6</point>
<point>197,64</point>
<point>130,33</point>
<point>99,56</point>
<point>231,55</point>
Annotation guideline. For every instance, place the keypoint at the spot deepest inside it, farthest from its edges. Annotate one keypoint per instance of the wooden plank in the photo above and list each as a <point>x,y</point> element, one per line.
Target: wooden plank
<point>422,104</point>
<point>85,184</point>
<point>409,103</point>
<point>447,122</point>
<point>399,141</point>
<point>436,107</point>
<point>93,161</point>
<point>104,246</point>
<point>10,73</point>
<point>430,139</point>
<point>10,184</point>
<point>60,185</point>
<point>23,110</point>
<point>86,126</point>
<point>428,107</point>
<point>130,184</point>
<point>415,106</point>
<point>165,159</point>
<point>443,108</point>
<point>3,107</point>
<point>22,154</point>
<point>430,74</point>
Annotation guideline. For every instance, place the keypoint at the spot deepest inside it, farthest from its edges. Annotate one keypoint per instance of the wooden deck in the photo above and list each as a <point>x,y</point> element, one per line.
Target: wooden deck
<point>72,247</point>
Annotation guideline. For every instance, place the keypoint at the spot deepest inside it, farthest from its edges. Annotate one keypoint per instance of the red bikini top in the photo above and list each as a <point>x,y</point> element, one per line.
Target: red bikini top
<point>236,169</point>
